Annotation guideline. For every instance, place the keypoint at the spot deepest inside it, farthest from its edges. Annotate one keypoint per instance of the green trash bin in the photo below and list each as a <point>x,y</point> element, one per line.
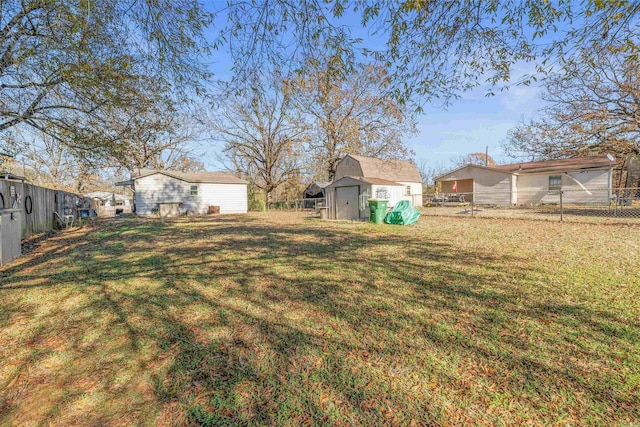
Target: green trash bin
<point>377,210</point>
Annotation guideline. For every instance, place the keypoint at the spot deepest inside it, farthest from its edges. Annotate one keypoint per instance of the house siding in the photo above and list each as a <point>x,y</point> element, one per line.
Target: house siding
<point>396,193</point>
<point>490,187</point>
<point>232,198</point>
<point>343,170</point>
<point>159,188</point>
<point>416,193</point>
<point>590,186</point>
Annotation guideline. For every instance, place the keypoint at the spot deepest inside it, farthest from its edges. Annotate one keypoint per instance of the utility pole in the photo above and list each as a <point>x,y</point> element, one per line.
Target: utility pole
<point>486,156</point>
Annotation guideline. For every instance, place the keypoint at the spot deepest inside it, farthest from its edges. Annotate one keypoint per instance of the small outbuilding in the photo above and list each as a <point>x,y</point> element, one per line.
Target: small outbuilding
<point>360,178</point>
<point>314,192</point>
<point>172,193</point>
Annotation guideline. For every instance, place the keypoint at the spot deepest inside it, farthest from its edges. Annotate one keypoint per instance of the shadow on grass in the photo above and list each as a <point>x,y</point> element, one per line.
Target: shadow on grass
<point>232,320</point>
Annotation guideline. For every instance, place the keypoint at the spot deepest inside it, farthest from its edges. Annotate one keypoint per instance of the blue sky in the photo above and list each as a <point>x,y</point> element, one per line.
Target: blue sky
<point>474,122</point>
<point>468,125</point>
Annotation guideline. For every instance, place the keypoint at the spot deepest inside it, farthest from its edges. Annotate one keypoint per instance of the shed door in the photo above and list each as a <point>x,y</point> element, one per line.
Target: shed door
<point>347,202</point>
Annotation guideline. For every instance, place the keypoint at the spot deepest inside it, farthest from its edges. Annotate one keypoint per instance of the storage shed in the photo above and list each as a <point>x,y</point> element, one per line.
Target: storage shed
<point>359,178</point>
<point>347,198</point>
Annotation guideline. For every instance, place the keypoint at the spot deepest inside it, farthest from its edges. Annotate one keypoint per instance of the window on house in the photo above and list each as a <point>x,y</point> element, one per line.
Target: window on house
<point>382,193</point>
<point>555,182</point>
<point>407,190</point>
<point>194,190</point>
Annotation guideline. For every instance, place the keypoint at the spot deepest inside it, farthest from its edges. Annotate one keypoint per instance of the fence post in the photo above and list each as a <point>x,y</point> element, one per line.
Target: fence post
<point>472,207</point>
<point>561,208</point>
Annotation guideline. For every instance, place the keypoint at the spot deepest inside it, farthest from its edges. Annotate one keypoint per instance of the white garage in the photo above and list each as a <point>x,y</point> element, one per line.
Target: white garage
<point>180,193</point>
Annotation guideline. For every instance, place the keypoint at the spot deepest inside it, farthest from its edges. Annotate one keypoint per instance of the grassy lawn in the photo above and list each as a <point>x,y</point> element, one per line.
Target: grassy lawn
<point>277,319</point>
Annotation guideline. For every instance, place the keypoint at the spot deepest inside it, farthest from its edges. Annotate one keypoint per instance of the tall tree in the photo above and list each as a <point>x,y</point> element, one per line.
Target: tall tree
<point>49,163</point>
<point>154,138</point>
<point>482,159</point>
<point>429,175</point>
<point>349,113</point>
<point>261,133</point>
<point>593,107</point>
<point>431,49</point>
<point>65,63</point>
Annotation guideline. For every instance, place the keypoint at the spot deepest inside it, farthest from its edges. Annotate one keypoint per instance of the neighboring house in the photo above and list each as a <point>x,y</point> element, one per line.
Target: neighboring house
<point>171,193</point>
<point>586,179</point>
<point>110,204</point>
<point>360,178</point>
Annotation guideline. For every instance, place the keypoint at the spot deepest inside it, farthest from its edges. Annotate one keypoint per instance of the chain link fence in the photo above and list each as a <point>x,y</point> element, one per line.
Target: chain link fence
<point>300,204</point>
<point>598,205</point>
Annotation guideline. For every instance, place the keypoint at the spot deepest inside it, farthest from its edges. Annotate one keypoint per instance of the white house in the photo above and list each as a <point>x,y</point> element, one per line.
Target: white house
<point>360,178</point>
<point>110,204</point>
<point>582,180</point>
<point>172,193</point>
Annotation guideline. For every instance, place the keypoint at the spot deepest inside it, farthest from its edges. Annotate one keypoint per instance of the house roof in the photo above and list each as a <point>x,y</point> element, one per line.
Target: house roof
<point>365,180</point>
<point>560,165</point>
<point>202,177</point>
<point>315,187</point>
<point>105,195</point>
<point>10,176</point>
<point>391,170</point>
<point>491,168</point>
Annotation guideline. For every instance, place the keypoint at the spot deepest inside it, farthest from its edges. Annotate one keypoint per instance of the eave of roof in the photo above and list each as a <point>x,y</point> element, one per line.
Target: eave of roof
<point>224,178</point>
<point>559,165</point>
<point>491,168</point>
<point>544,166</point>
<point>11,176</point>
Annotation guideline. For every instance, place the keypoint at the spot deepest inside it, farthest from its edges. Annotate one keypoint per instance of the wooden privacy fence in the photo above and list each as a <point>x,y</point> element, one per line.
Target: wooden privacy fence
<point>39,205</point>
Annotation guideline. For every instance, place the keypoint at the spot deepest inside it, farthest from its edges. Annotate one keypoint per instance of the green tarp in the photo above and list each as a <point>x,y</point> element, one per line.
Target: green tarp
<point>402,214</point>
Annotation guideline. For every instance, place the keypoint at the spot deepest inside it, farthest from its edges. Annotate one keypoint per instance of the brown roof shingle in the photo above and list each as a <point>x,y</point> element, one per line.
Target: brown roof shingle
<point>390,170</point>
<point>575,163</point>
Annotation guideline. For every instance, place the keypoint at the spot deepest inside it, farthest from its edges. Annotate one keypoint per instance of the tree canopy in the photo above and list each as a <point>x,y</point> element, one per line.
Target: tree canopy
<point>482,159</point>
<point>348,113</point>
<point>432,50</point>
<point>66,64</point>
<point>261,133</point>
<point>591,108</point>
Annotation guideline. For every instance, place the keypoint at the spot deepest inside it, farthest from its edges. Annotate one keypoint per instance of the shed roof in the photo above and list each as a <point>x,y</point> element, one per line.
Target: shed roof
<point>316,187</point>
<point>365,180</point>
<point>202,177</point>
<point>391,170</point>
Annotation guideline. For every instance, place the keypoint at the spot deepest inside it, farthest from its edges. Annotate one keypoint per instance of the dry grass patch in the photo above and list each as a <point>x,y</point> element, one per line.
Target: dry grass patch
<point>278,319</point>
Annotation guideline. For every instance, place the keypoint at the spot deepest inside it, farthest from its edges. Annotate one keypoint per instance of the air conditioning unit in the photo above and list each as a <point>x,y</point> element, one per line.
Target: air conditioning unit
<point>10,235</point>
